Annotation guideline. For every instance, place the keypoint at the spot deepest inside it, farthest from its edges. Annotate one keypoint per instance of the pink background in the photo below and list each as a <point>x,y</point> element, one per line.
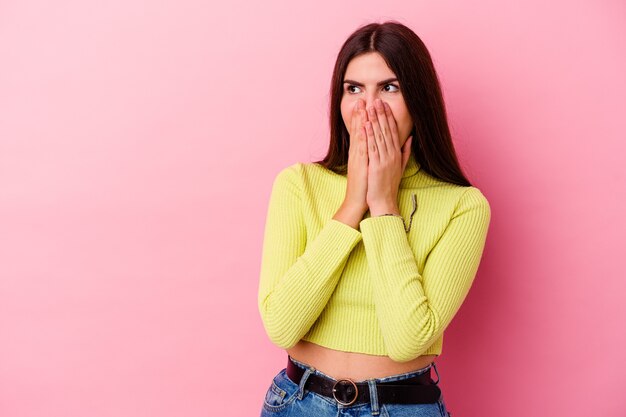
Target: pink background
<point>138,143</point>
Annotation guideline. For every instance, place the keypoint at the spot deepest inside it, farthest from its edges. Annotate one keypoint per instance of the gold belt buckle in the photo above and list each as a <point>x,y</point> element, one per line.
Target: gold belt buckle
<point>356,391</point>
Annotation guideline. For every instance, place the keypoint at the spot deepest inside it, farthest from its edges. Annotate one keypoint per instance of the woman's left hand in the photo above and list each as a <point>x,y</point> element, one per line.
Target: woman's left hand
<point>386,159</point>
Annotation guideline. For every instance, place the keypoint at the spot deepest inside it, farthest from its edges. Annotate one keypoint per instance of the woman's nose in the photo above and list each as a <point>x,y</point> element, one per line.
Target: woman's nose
<point>371,101</point>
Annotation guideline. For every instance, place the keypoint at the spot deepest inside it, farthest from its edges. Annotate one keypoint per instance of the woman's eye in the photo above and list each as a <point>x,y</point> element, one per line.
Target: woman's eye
<point>387,85</point>
<point>394,86</point>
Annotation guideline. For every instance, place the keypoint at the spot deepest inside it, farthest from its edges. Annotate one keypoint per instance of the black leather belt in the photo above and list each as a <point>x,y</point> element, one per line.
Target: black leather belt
<point>419,389</point>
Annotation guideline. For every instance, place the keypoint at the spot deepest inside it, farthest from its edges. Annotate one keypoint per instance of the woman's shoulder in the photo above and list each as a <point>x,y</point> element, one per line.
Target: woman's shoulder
<point>471,198</point>
<point>303,171</point>
<point>468,195</point>
<point>463,191</point>
<point>296,174</point>
<point>462,197</point>
<point>423,178</point>
<point>290,173</point>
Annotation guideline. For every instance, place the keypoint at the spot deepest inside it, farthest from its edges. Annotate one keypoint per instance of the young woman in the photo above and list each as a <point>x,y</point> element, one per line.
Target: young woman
<point>369,253</point>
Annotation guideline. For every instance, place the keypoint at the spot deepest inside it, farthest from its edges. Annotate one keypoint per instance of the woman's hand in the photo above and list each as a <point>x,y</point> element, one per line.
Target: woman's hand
<point>356,190</point>
<point>386,160</point>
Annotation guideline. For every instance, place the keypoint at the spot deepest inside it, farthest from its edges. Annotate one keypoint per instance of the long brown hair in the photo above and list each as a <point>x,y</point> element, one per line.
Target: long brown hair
<point>407,56</point>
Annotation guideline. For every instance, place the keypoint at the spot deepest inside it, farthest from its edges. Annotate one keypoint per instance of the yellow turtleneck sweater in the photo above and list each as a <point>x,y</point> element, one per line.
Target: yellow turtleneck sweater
<point>378,290</point>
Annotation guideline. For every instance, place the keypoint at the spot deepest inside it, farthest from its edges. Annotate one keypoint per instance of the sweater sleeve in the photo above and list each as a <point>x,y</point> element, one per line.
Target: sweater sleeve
<point>297,276</point>
<point>414,309</point>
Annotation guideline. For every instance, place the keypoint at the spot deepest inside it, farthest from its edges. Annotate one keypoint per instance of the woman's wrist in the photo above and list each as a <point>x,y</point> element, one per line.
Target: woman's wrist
<point>389,214</point>
<point>384,210</point>
<point>350,215</point>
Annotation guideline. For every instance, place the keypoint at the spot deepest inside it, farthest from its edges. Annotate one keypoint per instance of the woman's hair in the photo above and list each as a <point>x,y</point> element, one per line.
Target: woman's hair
<point>407,56</point>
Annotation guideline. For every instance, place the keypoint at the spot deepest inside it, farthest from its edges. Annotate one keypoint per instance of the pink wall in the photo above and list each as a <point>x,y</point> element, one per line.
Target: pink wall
<point>138,143</point>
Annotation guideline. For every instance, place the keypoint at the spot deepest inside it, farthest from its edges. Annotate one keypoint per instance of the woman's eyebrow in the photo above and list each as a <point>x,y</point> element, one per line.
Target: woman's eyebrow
<point>388,80</point>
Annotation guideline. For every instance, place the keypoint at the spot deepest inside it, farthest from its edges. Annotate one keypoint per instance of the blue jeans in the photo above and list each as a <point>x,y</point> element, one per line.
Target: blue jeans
<point>286,398</point>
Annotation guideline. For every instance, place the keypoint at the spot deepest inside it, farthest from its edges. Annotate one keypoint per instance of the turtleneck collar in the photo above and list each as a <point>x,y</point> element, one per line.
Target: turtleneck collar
<point>412,166</point>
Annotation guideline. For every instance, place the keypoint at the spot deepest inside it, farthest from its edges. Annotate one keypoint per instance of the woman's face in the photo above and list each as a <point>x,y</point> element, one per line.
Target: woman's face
<point>368,77</point>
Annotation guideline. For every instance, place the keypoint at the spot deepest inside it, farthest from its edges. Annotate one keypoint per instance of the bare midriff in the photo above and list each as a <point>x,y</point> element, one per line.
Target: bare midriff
<point>356,366</point>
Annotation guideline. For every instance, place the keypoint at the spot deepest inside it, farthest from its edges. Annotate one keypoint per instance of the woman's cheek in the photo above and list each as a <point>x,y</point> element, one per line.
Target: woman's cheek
<point>404,121</point>
<point>346,115</point>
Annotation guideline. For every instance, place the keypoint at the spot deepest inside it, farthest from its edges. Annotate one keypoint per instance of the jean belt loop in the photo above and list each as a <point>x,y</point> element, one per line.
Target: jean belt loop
<point>373,396</point>
<point>308,371</point>
<point>435,367</point>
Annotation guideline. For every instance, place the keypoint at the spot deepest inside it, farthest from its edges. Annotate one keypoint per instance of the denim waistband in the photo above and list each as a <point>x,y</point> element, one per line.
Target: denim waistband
<point>390,378</point>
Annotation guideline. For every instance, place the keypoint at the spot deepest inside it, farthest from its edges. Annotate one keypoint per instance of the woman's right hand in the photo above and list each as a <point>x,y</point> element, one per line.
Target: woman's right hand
<point>354,204</point>
<point>356,191</point>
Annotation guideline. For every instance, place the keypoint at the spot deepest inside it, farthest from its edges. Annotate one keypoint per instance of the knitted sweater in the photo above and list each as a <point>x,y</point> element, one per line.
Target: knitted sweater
<point>379,290</point>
